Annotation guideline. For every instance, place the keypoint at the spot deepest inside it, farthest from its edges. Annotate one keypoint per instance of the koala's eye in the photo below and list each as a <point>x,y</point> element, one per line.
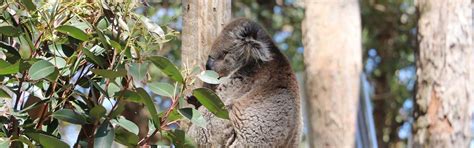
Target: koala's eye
<point>225,52</point>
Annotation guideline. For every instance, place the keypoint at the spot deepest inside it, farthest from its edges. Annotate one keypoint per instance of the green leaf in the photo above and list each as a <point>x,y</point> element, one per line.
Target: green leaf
<point>29,5</point>
<point>128,95</point>
<point>110,73</point>
<point>173,115</point>
<point>99,88</point>
<point>211,101</point>
<point>101,37</point>
<point>4,63</point>
<point>116,45</point>
<point>152,27</point>
<point>70,116</point>
<point>177,137</point>
<point>58,62</point>
<point>163,89</point>
<point>4,143</point>
<point>118,110</point>
<point>11,54</point>
<point>47,141</point>
<point>127,124</point>
<point>26,47</point>
<point>53,77</point>
<point>9,31</point>
<point>7,68</point>
<point>167,67</point>
<point>41,69</point>
<point>4,94</point>
<point>125,137</point>
<point>93,58</point>
<point>25,140</point>
<point>97,112</point>
<point>113,88</point>
<point>209,76</point>
<point>138,71</point>
<point>104,136</point>
<point>73,32</point>
<point>193,115</point>
<point>150,106</point>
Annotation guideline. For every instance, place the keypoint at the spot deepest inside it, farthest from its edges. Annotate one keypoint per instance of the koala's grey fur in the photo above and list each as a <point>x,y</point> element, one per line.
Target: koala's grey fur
<point>259,89</point>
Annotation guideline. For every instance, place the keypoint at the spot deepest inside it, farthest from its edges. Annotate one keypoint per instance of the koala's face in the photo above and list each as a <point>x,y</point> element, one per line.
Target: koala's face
<point>224,56</point>
<point>240,42</point>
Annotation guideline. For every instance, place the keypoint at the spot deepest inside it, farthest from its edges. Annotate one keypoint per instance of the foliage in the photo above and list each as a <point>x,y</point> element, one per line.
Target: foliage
<point>62,62</point>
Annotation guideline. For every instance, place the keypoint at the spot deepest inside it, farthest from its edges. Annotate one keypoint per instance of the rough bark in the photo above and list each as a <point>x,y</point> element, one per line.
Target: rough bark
<point>445,74</point>
<point>202,21</point>
<point>333,60</point>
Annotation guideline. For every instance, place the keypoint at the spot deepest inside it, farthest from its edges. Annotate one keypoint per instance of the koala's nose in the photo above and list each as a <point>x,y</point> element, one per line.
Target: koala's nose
<point>209,63</point>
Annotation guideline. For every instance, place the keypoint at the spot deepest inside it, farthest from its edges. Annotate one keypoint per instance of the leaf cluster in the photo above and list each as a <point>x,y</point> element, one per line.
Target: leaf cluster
<point>62,62</point>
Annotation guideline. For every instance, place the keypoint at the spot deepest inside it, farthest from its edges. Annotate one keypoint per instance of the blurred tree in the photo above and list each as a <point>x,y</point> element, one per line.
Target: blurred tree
<point>332,89</point>
<point>389,39</point>
<point>445,90</point>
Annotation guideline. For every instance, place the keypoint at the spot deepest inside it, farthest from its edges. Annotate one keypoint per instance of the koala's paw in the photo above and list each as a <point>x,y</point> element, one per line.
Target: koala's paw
<point>193,100</point>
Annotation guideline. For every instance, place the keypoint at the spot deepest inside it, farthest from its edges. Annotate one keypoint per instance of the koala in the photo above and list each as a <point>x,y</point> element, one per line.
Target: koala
<point>258,88</point>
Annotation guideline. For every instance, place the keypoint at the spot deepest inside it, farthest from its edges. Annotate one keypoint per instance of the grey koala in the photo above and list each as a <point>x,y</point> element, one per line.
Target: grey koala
<point>259,89</point>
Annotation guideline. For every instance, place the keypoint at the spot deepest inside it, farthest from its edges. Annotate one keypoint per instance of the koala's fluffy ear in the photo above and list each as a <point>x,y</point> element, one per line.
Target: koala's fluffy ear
<point>251,42</point>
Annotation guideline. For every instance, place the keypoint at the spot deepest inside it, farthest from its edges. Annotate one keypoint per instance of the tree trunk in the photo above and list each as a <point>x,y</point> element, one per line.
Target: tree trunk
<point>202,22</point>
<point>333,59</point>
<point>445,86</point>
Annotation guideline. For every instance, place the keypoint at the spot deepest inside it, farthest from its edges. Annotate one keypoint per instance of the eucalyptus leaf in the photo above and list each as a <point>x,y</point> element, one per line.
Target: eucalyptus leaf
<point>193,115</point>
<point>47,141</point>
<point>4,94</point>
<point>41,69</point>
<point>110,73</point>
<point>7,68</point>
<point>58,62</point>
<point>70,116</point>
<point>125,137</point>
<point>128,95</point>
<point>138,71</point>
<point>73,32</point>
<point>173,115</point>
<point>53,76</point>
<point>29,4</point>
<point>209,76</point>
<point>163,89</point>
<point>12,53</point>
<point>177,136</point>
<point>9,31</point>
<point>152,27</point>
<point>93,58</point>
<point>211,101</point>
<point>167,67</point>
<point>127,124</point>
<point>97,112</point>
<point>118,110</point>
<point>150,106</point>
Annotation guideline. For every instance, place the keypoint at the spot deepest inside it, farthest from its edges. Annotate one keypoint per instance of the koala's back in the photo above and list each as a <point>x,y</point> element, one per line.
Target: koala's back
<point>267,120</point>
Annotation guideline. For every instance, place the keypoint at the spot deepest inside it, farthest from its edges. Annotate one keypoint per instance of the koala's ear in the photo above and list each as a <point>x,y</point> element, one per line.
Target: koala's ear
<point>249,38</point>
